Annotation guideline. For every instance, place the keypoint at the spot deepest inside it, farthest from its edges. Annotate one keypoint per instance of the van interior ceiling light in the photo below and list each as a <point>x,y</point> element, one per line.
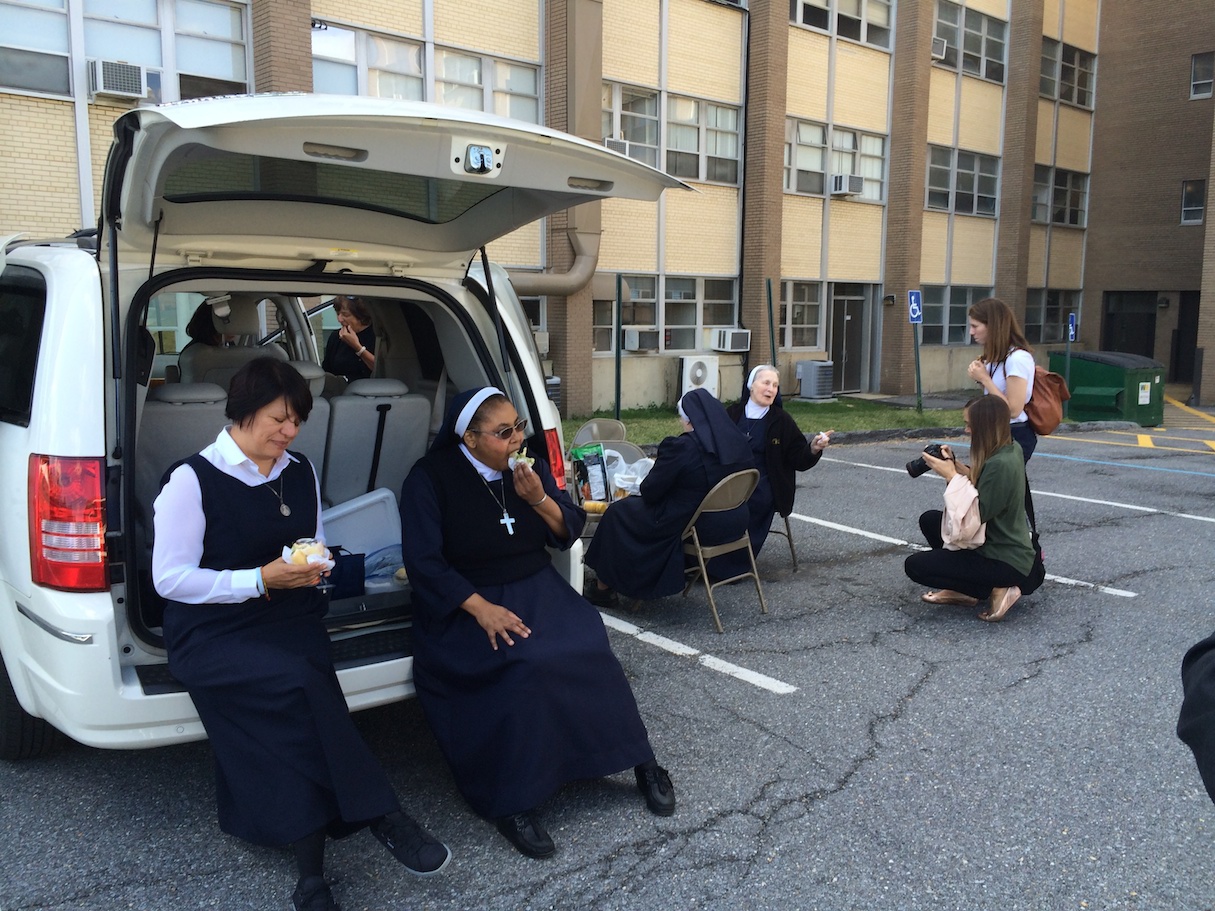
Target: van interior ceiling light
<point>221,305</point>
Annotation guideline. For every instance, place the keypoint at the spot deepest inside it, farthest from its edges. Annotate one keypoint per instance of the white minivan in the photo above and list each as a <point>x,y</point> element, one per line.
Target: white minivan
<point>261,208</point>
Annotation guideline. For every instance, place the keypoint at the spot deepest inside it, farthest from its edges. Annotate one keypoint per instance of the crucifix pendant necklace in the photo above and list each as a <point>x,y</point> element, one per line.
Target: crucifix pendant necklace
<point>282,507</point>
<point>507,519</point>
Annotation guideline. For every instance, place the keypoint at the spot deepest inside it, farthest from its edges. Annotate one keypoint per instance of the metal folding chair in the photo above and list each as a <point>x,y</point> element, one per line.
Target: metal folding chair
<point>729,493</point>
<point>597,429</point>
<point>787,534</point>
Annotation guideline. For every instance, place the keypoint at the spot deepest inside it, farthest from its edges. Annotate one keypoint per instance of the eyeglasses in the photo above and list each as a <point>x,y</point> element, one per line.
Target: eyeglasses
<point>520,426</point>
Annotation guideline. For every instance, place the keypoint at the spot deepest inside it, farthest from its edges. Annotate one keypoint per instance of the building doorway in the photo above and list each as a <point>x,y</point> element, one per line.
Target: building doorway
<point>1130,322</point>
<point>848,336</point>
<point>1185,339</point>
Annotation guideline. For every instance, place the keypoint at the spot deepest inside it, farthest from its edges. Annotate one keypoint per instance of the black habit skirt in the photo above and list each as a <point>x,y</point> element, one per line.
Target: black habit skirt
<point>518,723</point>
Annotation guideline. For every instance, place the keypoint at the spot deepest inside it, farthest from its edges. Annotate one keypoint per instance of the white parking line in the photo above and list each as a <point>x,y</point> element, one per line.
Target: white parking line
<point>754,678</point>
<point>1131,506</point>
<point>1062,580</point>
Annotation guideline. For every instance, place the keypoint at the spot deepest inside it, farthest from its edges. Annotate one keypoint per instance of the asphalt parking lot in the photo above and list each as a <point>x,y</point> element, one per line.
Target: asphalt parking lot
<point>853,748</point>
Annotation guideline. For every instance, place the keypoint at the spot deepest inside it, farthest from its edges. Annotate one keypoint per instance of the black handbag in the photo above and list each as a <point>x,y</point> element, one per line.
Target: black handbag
<point>347,576</point>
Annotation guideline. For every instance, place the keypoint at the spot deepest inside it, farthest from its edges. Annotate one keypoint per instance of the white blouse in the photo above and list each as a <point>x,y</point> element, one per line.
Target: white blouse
<point>180,525</point>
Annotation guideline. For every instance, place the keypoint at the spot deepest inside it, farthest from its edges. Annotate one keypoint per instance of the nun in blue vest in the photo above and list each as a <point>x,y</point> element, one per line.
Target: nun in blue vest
<point>637,550</point>
<point>512,666</point>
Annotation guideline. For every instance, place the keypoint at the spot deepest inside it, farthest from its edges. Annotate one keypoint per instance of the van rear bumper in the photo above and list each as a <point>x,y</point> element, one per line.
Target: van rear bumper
<point>67,667</point>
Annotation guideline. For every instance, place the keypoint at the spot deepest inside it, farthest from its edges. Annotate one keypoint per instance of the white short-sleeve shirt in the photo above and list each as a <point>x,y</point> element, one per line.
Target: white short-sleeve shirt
<point>1020,363</point>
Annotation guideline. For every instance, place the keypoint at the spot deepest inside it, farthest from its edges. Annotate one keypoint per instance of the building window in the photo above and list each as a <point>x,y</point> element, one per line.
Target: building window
<point>1067,73</point>
<point>860,153</point>
<point>210,47</point>
<point>867,21</point>
<point>945,313</point>
<point>1193,201</point>
<point>800,314</point>
<point>346,62</point>
<point>1046,312</point>
<point>34,47</point>
<point>477,82</point>
<point>805,152</point>
<point>693,126</point>
<point>641,309</point>
<point>974,43</point>
<point>1202,74</point>
<point>963,182</point>
<point>1060,196</point>
<point>631,116</point>
<point>691,305</point>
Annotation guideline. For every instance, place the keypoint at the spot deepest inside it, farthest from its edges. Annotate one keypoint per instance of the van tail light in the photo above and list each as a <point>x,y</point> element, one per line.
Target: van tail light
<point>556,458</point>
<point>67,523</point>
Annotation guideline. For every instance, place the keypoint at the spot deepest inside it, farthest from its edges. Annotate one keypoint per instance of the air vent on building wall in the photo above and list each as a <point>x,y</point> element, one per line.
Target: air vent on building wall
<point>617,145</point>
<point>939,48</point>
<point>847,184</point>
<point>117,79</point>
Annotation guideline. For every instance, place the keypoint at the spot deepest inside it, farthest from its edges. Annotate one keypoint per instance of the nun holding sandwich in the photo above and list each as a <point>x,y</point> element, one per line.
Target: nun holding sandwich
<point>512,666</point>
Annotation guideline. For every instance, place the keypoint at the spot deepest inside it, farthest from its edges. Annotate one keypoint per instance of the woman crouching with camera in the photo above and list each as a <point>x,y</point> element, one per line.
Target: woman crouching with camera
<point>981,547</point>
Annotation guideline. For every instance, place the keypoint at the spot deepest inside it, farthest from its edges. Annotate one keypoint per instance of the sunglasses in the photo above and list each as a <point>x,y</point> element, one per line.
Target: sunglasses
<point>520,426</point>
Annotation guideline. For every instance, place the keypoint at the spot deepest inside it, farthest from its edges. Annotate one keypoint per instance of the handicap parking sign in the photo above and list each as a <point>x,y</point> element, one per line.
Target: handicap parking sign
<point>915,307</point>
<point>1071,327</point>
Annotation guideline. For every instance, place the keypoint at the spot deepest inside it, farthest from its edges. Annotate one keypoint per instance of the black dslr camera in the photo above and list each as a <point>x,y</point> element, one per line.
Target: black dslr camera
<point>918,466</point>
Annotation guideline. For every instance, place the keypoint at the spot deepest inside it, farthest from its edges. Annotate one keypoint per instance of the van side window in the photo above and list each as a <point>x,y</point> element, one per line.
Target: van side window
<point>22,307</point>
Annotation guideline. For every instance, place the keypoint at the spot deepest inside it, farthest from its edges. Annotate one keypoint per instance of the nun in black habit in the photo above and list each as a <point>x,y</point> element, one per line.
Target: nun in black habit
<point>512,666</point>
<point>244,633</point>
<point>636,549</point>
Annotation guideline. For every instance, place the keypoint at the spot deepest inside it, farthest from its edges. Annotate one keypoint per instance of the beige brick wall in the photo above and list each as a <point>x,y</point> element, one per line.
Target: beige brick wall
<point>101,135</point>
<point>1075,132</point>
<point>510,28</point>
<point>402,16</point>
<point>632,37</point>
<point>630,236</point>
<point>981,116</point>
<point>1080,21</point>
<point>862,87</point>
<point>38,183</point>
<point>806,83</point>
<point>854,241</point>
<point>942,106</point>
<point>701,231</point>
<point>704,50</point>
<point>802,237</point>
<point>996,8</point>
<point>1050,18</point>
<point>1066,267</point>
<point>520,248</point>
<point>1044,152</point>
<point>934,253</point>
<point>974,252</point>
<point>1035,269</point>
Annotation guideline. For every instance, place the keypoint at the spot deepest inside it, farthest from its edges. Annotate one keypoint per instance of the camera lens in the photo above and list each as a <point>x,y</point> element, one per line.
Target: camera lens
<point>917,467</point>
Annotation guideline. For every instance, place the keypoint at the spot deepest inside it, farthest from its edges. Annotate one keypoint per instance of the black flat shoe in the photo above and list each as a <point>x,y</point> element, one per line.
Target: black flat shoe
<point>655,785</point>
<point>523,830</point>
<point>418,851</point>
<point>600,597</point>
<point>312,894</point>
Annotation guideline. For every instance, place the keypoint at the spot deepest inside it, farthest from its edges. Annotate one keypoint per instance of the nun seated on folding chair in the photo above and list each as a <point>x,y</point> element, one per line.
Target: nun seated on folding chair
<point>780,449</point>
<point>637,549</point>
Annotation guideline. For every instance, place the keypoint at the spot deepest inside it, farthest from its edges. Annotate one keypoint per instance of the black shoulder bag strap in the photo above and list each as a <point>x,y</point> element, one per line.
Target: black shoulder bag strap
<point>379,444</point>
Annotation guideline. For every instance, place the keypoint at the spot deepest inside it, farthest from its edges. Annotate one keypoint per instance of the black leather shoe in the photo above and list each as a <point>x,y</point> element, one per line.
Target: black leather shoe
<point>312,894</point>
<point>655,785</point>
<point>600,597</point>
<point>523,830</point>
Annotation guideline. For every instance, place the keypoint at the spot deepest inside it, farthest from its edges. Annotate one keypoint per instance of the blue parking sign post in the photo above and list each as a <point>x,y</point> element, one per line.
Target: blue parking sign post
<point>915,316</point>
<point>1067,354</point>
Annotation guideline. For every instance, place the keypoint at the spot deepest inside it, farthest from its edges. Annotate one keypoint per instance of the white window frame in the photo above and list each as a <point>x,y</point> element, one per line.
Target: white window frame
<point>640,127</point>
<point>702,123</point>
<point>806,296</point>
<point>979,182</point>
<point>850,156</point>
<point>946,313</point>
<point>1202,75</point>
<point>45,45</point>
<point>1069,199</point>
<point>362,62</point>
<point>1193,201</point>
<point>1046,312</point>
<point>864,21</point>
<point>801,149</point>
<point>1068,73</point>
<point>975,44</point>
<point>697,287</point>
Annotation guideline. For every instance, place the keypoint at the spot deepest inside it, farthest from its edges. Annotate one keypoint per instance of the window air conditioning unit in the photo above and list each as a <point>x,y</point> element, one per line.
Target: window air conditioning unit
<point>732,340</point>
<point>847,184</point>
<point>939,48</point>
<point>640,339</point>
<point>698,372</point>
<point>616,145</point>
<point>118,80</point>
<point>541,343</point>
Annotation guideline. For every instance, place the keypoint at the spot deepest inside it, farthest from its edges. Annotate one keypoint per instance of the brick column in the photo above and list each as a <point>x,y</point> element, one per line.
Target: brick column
<point>764,161</point>
<point>905,193</point>
<point>282,46</point>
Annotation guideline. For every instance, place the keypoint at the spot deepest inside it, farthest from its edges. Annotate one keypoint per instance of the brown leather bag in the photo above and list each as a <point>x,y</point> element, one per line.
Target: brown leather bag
<point>1045,407</point>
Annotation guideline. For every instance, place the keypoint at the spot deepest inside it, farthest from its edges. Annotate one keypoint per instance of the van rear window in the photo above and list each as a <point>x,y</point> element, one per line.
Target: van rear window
<point>197,173</point>
<point>22,307</point>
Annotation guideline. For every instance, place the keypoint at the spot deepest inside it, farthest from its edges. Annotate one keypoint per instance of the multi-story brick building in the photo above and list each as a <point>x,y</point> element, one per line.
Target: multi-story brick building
<point>1056,153</point>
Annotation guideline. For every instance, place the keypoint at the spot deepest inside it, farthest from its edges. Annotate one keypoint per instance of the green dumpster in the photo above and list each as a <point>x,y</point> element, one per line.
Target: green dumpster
<point>1113,386</point>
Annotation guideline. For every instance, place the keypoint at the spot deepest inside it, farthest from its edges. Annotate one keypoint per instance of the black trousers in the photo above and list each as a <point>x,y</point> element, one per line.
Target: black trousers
<point>1024,436</point>
<point>965,571</point>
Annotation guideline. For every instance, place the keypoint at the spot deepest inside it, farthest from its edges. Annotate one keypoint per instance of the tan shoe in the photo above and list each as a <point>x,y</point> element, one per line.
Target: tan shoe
<point>1001,600</point>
